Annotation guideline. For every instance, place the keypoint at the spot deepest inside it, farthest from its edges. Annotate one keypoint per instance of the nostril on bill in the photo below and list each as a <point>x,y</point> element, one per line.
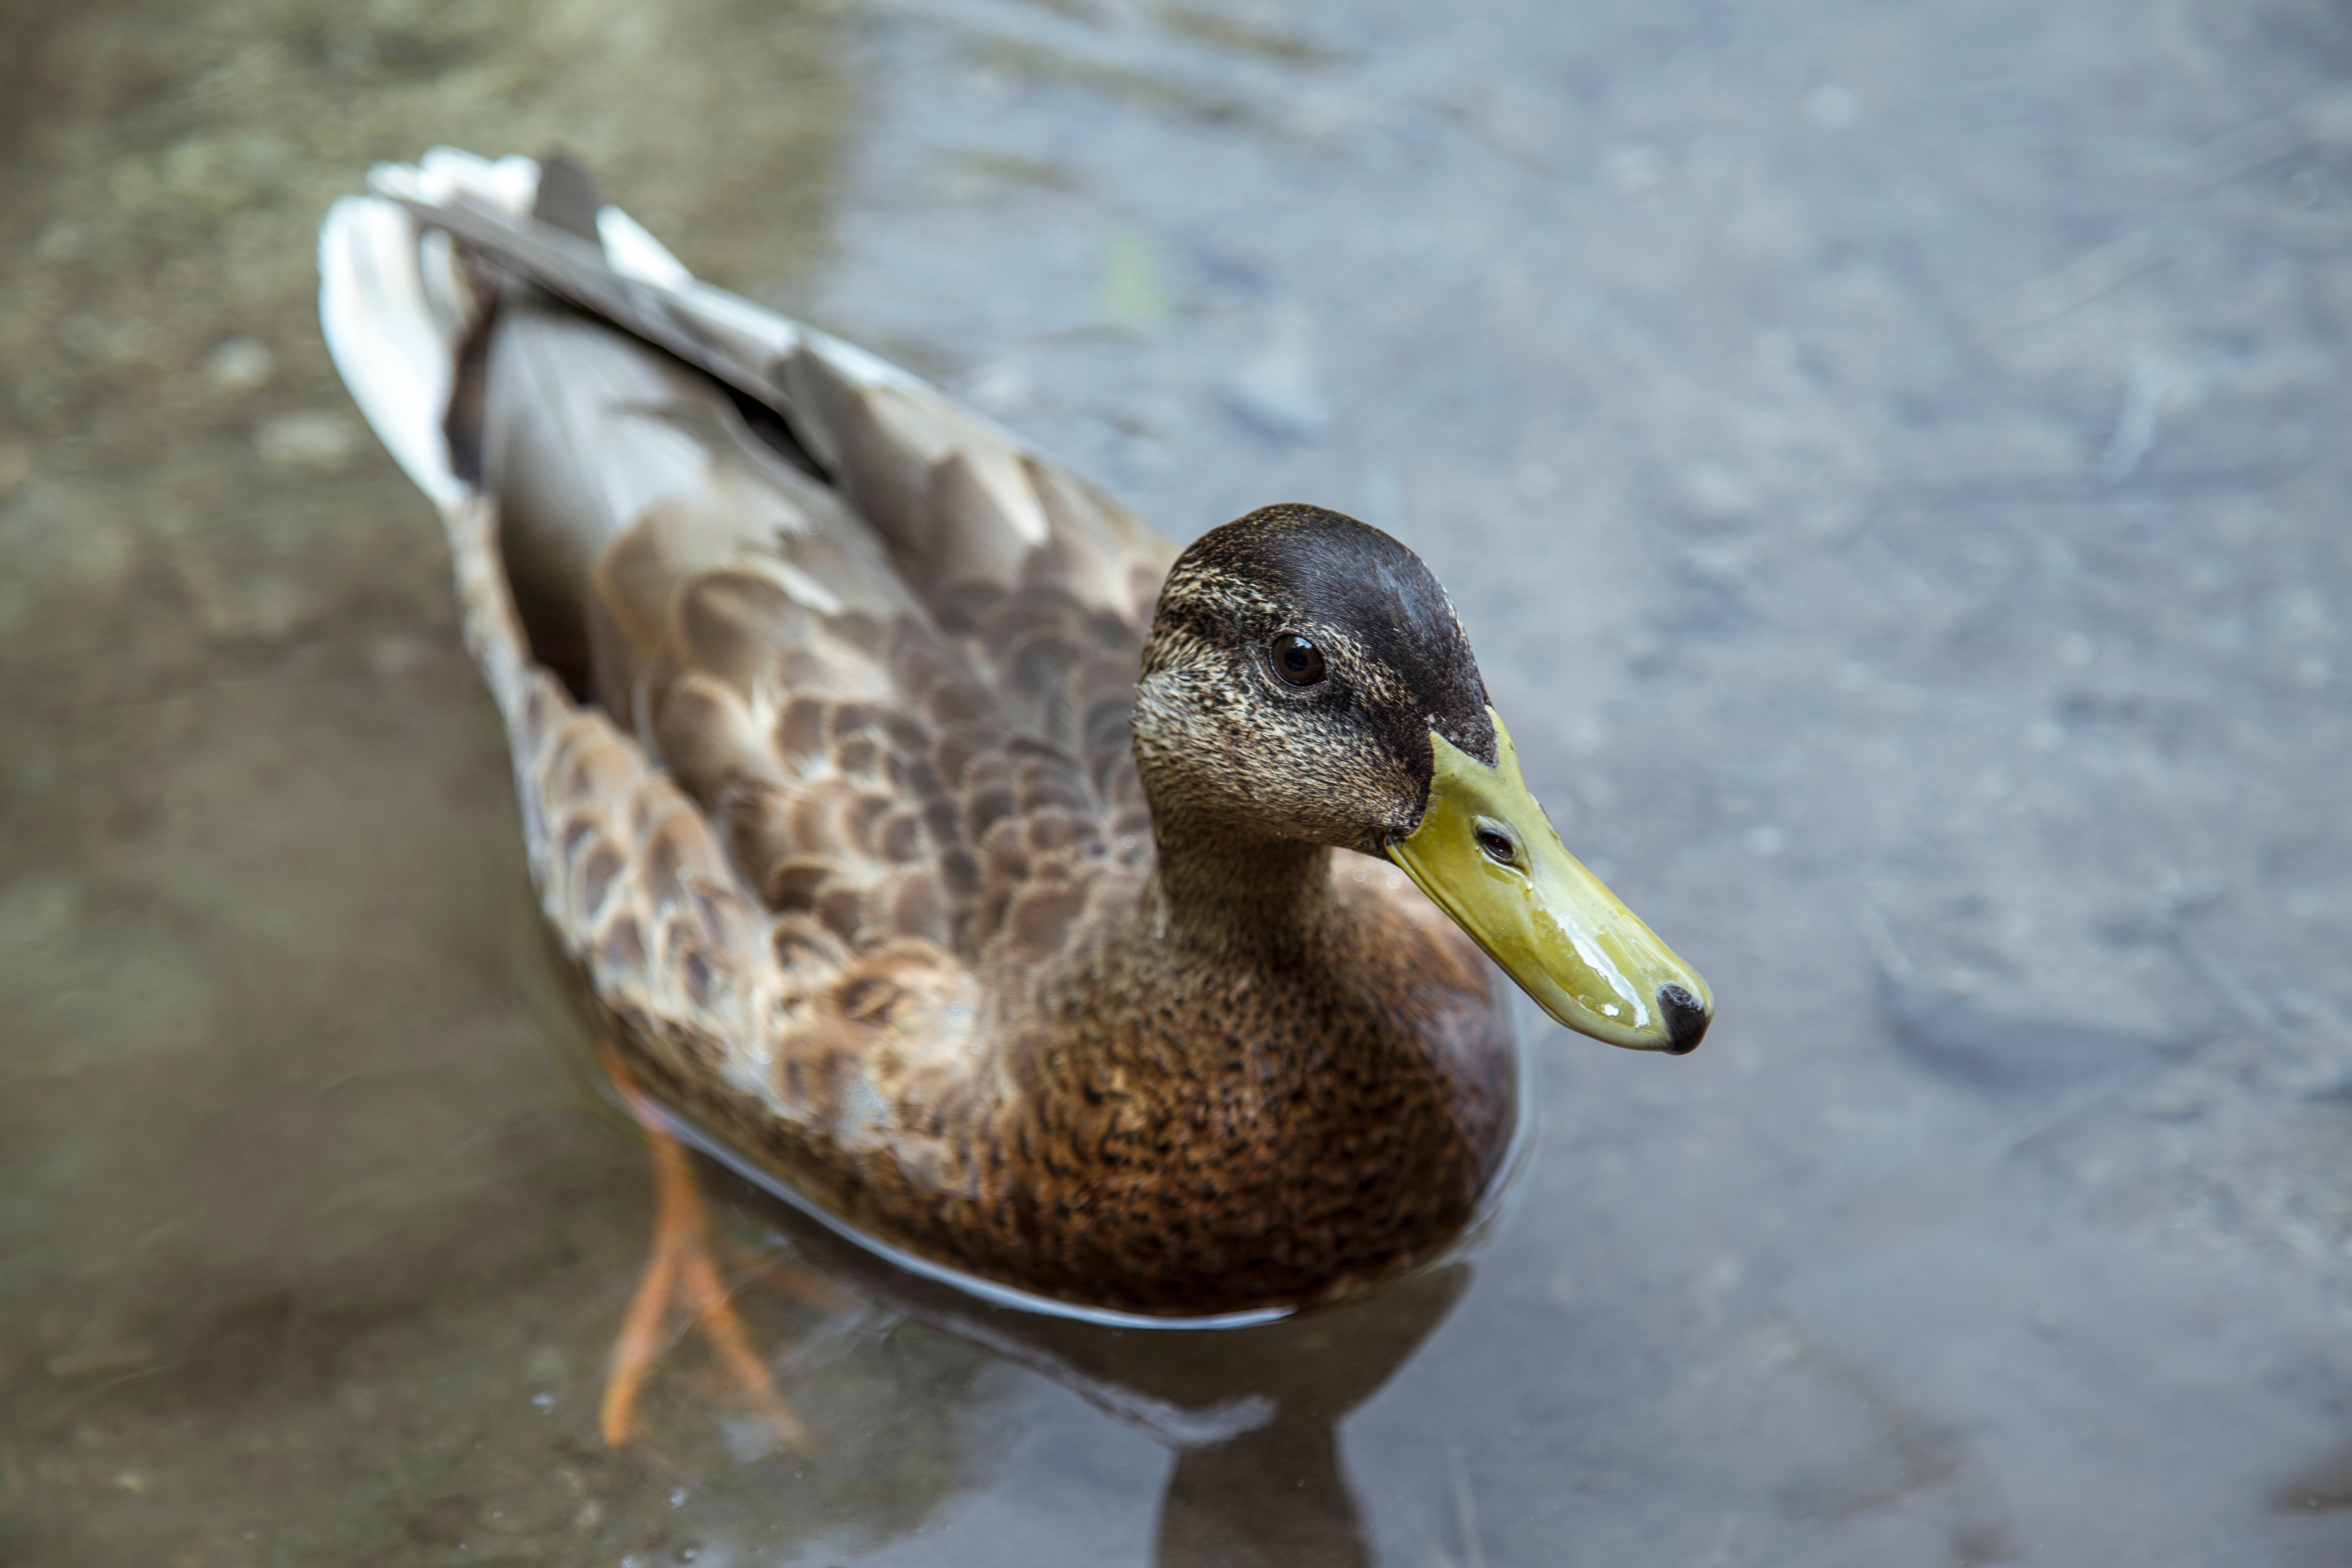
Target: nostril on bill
<point>1685,1018</point>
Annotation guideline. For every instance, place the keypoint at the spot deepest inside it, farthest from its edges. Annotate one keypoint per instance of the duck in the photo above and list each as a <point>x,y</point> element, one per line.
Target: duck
<point>1118,928</point>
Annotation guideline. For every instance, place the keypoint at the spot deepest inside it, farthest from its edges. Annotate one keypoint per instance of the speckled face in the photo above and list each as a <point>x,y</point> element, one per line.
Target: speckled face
<point>1298,663</point>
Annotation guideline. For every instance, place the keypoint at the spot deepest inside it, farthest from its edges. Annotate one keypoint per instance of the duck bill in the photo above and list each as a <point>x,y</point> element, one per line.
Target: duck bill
<point>1490,858</point>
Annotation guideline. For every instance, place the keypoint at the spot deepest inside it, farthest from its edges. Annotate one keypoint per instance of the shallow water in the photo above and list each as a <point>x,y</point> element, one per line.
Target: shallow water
<point>1886,456</point>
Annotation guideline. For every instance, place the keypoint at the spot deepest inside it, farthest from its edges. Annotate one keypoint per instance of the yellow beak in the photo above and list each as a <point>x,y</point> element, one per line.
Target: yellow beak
<point>1489,857</point>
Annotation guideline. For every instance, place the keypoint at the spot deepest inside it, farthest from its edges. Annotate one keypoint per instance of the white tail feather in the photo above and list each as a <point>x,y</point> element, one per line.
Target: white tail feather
<point>396,309</point>
<point>634,253</point>
<point>396,350</point>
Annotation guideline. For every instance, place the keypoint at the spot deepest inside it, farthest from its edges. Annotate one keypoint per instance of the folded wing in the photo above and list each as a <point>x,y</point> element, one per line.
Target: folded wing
<point>818,684</point>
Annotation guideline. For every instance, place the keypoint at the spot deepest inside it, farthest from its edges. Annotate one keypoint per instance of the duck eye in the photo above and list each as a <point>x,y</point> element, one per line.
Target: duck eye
<point>1497,846</point>
<point>1297,660</point>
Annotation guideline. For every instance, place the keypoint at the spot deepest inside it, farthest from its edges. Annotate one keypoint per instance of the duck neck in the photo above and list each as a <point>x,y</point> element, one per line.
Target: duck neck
<point>1231,891</point>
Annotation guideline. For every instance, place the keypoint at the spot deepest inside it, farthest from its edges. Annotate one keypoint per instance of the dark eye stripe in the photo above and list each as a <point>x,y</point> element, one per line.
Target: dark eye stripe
<point>1299,661</point>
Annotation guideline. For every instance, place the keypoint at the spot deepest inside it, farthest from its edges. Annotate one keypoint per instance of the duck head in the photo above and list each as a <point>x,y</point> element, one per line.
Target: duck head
<point>1306,680</point>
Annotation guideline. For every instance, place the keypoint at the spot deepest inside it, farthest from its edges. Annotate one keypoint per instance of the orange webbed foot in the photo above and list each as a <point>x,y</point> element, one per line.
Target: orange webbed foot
<point>681,1272</point>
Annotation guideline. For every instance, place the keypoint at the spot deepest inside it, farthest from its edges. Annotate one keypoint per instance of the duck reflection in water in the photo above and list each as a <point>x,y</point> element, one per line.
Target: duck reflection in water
<point>1250,1412</point>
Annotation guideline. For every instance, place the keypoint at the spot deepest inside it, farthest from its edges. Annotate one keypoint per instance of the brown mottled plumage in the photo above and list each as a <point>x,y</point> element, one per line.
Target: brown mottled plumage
<point>843,794</point>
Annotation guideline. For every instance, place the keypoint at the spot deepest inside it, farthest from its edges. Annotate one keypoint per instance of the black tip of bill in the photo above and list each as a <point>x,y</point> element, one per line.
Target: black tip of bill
<point>1686,1019</point>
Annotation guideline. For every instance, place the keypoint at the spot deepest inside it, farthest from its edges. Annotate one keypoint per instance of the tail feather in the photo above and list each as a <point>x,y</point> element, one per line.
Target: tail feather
<point>450,176</point>
<point>393,312</point>
<point>397,307</point>
<point>634,253</point>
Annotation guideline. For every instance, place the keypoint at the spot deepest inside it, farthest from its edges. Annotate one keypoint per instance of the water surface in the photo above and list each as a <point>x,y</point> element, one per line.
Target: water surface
<point>1888,458</point>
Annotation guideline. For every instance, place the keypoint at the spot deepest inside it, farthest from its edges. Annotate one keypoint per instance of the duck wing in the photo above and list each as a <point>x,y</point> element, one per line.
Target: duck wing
<point>817,684</point>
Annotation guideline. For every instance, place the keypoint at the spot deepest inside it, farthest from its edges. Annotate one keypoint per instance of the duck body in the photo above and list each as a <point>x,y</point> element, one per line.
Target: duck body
<point>1170,1132</point>
<point>925,831</point>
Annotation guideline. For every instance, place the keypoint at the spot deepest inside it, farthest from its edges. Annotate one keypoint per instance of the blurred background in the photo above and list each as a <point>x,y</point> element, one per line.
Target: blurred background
<point>1888,459</point>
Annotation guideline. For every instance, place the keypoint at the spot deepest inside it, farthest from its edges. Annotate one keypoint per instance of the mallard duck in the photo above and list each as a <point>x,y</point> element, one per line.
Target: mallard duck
<point>1039,901</point>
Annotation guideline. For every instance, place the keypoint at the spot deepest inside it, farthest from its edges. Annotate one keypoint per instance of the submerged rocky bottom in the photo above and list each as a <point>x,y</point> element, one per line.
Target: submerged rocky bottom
<point>1884,457</point>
